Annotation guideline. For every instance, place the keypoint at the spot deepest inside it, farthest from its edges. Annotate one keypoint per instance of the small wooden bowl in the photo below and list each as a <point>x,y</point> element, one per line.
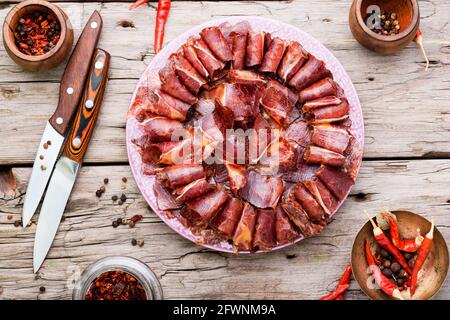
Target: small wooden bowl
<point>434,270</point>
<point>53,57</point>
<point>408,16</point>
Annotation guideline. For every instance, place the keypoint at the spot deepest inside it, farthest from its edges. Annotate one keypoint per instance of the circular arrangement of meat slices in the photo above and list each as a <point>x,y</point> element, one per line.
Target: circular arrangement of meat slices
<point>276,109</point>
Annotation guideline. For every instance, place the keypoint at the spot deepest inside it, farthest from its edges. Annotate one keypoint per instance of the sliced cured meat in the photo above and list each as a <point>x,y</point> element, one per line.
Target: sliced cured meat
<point>243,235</point>
<point>298,216</point>
<point>228,29</point>
<point>208,60</point>
<point>148,169</point>
<point>193,217</point>
<point>191,55</point>
<point>329,114</point>
<point>171,84</point>
<point>354,155</point>
<point>209,204</point>
<point>226,221</point>
<point>262,191</point>
<point>284,229</point>
<point>246,77</point>
<point>237,175</point>
<point>331,137</point>
<point>315,212</point>
<point>322,195</point>
<point>239,46</point>
<point>321,102</point>
<point>318,155</point>
<point>293,59</point>
<point>322,88</point>
<point>255,48</point>
<point>278,101</point>
<point>164,199</point>
<point>264,237</point>
<point>177,214</point>
<point>167,152</point>
<point>217,43</point>
<point>163,129</point>
<point>180,175</point>
<point>338,181</point>
<point>313,70</point>
<point>193,190</point>
<point>187,73</point>
<point>260,139</point>
<point>216,123</point>
<point>273,56</point>
<point>281,157</point>
<point>299,132</point>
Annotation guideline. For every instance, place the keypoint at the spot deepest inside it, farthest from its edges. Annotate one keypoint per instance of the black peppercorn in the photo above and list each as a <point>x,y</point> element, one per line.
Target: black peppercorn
<point>115,224</point>
<point>114,198</point>
<point>133,242</point>
<point>123,197</point>
<point>105,181</point>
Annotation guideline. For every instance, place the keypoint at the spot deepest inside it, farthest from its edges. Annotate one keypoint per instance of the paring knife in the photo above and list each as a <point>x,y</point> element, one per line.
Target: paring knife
<point>70,91</point>
<point>69,163</point>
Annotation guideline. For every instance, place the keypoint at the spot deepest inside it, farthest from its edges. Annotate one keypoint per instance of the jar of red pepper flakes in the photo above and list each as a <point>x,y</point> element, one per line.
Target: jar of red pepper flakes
<point>117,278</point>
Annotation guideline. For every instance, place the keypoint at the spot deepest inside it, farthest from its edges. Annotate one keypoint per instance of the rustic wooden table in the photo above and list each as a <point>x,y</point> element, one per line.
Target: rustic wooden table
<point>406,163</point>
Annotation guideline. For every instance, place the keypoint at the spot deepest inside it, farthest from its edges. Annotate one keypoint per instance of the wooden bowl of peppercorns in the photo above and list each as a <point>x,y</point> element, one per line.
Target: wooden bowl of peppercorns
<point>431,275</point>
<point>37,35</point>
<point>384,26</point>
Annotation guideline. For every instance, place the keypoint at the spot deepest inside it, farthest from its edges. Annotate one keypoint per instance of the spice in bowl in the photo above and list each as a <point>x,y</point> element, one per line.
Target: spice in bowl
<point>37,33</point>
<point>385,23</point>
<point>116,285</point>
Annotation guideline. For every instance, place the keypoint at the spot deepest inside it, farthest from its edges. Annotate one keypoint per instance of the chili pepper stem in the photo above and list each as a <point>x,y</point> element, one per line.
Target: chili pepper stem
<point>419,40</point>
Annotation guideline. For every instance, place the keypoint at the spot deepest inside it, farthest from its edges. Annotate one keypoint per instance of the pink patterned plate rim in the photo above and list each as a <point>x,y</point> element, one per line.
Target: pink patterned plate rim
<point>276,28</point>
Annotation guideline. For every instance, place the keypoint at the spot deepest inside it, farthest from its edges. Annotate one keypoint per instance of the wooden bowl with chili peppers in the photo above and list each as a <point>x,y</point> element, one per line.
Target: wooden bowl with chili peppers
<point>409,257</point>
<point>384,26</point>
<point>37,35</point>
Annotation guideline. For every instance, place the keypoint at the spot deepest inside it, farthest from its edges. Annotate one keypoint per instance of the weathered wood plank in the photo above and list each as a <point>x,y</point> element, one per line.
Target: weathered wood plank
<point>302,271</point>
<point>404,106</point>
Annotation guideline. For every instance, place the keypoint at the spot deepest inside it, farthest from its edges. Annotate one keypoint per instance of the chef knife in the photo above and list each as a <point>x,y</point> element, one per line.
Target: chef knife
<point>70,91</point>
<point>68,165</point>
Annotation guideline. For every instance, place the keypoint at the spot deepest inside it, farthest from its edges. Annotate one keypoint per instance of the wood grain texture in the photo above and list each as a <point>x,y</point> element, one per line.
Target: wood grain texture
<point>306,270</point>
<point>401,102</point>
<point>86,118</point>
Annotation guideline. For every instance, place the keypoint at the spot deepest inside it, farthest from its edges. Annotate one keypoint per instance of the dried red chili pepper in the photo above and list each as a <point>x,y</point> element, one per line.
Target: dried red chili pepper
<point>344,281</point>
<point>136,218</point>
<point>384,283</point>
<point>137,4</point>
<point>421,257</point>
<point>407,245</point>
<point>161,18</point>
<point>387,245</point>
<point>116,285</point>
<point>37,33</point>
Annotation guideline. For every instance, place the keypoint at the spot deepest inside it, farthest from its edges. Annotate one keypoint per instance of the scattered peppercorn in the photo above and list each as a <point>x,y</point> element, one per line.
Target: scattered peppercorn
<point>115,224</point>
<point>388,23</point>
<point>123,197</point>
<point>105,181</point>
<point>119,221</point>
<point>9,216</point>
<point>42,289</point>
<point>136,218</point>
<point>18,223</point>
<point>133,242</point>
<point>102,189</point>
<point>37,33</point>
<point>120,202</point>
<point>140,242</point>
<point>131,224</point>
<point>124,179</point>
<point>116,285</point>
<point>98,193</point>
<point>114,198</point>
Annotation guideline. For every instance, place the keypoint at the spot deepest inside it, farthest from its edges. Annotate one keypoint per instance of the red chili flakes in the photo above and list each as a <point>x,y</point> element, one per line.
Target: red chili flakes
<point>116,285</point>
<point>37,33</point>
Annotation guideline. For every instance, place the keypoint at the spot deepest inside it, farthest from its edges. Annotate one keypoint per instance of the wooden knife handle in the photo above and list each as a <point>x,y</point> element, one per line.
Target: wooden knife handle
<point>84,122</point>
<point>74,77</point>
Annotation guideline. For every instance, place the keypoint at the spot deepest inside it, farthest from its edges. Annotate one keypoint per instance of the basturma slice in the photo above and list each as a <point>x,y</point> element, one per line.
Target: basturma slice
<point>264,237</point>
<point>217,43</point>
<point>298,216</point>
<point>312,71</point>
<point>246,77</point>
<point>237,175</point>
<point>317,155</point>
<point>226,221</point>
<point>239,45</point>
<point>285,231</point>
<point>180,175</point>
<point>322,195</point>
<point>323,88</point>
<point>339,182</point>
<point>193,190</point>
<point>243,235</point>
<point>191,55</point>
<point>293,59</point>
<point>208,205</point>
<point>334,138</point>
<point>164,199</point>
<point>171,84</point>
<point>255,48</point>
<point>159,129</point>
<point>262,191</point>
<point>329,114</point>
<point>278,101</point>
<point>273,56</point>
<point>187,73</point>
<point>309,204</point>
<point>299,132</point>
<point>208,60</point>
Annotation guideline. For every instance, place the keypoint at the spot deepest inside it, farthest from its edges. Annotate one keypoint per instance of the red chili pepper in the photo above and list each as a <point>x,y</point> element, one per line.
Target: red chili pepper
<point>161,18</point>
<point>409,245</point>
<point>387,245</point>
<point>343,281</point>
<point>421,257</point>
<point>336,293</point>
<point>137,4</point>
<point>384,283</point>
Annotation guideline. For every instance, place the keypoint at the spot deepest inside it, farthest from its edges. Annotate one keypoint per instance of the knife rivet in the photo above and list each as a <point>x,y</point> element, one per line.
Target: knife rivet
<point>89,104</point>
<point>59,120</point>
<point>76,142</point>
<point>69,90</point>
<point>99,65</point>
<point>94,25</point>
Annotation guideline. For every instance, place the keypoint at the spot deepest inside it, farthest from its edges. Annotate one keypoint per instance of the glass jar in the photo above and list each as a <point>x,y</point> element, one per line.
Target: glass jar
<point>133,266</point>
